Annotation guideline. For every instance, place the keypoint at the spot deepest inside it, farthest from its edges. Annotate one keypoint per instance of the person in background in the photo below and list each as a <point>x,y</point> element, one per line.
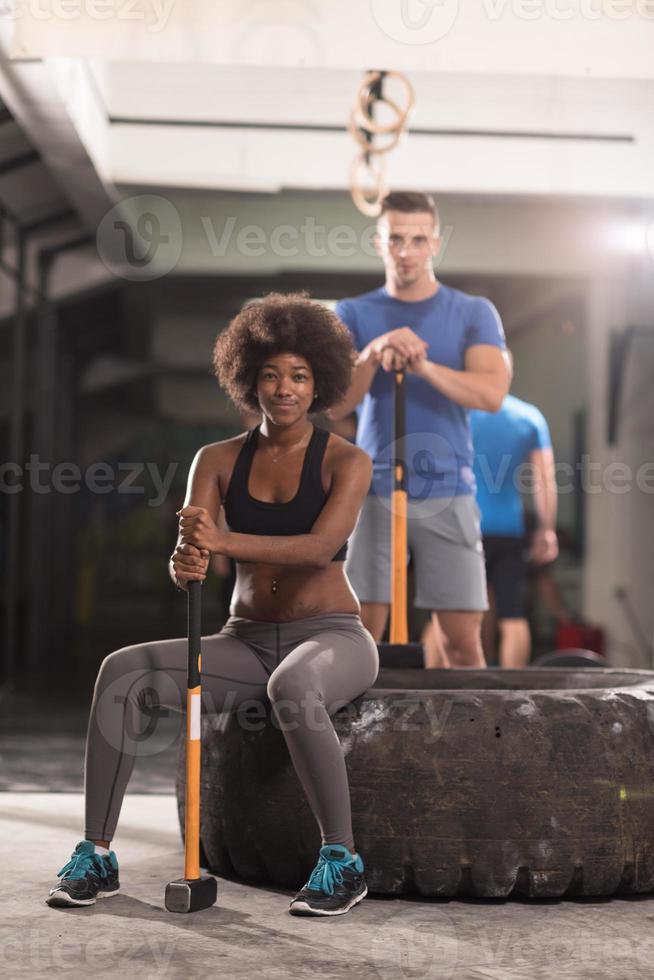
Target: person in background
<point>451,345</point>
<point>513,455</point>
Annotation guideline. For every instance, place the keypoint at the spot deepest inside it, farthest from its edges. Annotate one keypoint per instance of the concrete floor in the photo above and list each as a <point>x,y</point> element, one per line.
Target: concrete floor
<point>249,932</point>
<point>26,768</point>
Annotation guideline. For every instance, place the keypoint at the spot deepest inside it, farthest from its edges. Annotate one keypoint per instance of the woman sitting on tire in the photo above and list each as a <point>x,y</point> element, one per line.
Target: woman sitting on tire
<point>291,493</point>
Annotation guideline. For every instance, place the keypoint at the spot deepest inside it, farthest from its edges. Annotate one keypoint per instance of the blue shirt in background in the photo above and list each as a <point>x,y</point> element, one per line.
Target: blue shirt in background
<point>503,441</point>
<point>438,447</point>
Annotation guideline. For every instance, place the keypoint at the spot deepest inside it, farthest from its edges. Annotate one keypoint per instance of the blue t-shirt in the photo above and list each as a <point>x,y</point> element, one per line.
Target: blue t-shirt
<point>503,441</point>
<point>438,446</point>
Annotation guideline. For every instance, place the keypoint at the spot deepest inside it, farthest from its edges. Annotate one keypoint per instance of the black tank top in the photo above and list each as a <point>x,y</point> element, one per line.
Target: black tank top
<point>247,515</point>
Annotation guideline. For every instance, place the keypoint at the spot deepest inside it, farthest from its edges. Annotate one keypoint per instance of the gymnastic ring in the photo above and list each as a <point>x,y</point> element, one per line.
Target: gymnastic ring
<point>363,101</point>
<point>368,147</point>
<point>364,120</point>
<point>370,207</point>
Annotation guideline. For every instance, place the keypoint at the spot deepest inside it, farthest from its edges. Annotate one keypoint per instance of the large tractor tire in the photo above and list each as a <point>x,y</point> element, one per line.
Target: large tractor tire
<point>488,783</point>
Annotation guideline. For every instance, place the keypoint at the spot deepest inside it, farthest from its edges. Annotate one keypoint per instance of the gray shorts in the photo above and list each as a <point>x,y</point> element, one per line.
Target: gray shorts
<point>444,540</point>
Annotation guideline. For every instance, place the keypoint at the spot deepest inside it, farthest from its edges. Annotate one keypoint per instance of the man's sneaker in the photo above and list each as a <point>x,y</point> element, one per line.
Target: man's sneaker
<point>87,876</point>
<point>335,885</point>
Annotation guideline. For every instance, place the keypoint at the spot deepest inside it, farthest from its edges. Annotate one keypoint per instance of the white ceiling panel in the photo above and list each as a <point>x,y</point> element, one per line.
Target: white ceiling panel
<point>577,38</point>
<point>236,129</point>
<point>444,101</point>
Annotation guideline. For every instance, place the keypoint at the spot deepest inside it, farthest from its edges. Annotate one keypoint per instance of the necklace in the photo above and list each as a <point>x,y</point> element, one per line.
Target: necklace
<point>293,449</point>
<point>273,459</point>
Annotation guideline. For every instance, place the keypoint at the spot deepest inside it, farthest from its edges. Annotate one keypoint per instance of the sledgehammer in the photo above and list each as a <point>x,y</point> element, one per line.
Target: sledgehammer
<point>194,891</point>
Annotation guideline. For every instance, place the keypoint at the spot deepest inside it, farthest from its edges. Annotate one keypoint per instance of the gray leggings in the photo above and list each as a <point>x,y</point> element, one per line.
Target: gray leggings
<point>308,669</point>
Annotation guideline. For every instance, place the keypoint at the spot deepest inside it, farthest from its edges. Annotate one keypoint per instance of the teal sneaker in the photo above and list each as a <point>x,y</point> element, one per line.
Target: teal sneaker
<point>86,877</point>
<point>335,885</point>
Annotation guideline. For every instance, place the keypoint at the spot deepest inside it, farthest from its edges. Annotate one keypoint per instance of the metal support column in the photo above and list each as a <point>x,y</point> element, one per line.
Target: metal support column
<point>42,459</point>
<point>15,455</point>
<point>17,415</point>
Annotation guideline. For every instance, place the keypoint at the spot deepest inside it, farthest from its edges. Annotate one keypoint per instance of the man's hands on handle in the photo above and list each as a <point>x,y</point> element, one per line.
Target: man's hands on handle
<point>403,341</point>
<point>483,383</point>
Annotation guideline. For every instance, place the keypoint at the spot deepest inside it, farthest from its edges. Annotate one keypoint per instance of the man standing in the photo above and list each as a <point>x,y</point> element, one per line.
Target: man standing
<point>452,346</point>
<point>513,449</point>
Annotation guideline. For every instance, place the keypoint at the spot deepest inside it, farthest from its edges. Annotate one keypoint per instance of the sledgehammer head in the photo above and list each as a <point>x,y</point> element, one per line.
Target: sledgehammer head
<point>191,894</point>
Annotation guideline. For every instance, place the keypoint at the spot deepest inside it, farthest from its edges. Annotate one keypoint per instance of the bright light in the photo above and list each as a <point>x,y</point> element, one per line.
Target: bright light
<point>632,236</point>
